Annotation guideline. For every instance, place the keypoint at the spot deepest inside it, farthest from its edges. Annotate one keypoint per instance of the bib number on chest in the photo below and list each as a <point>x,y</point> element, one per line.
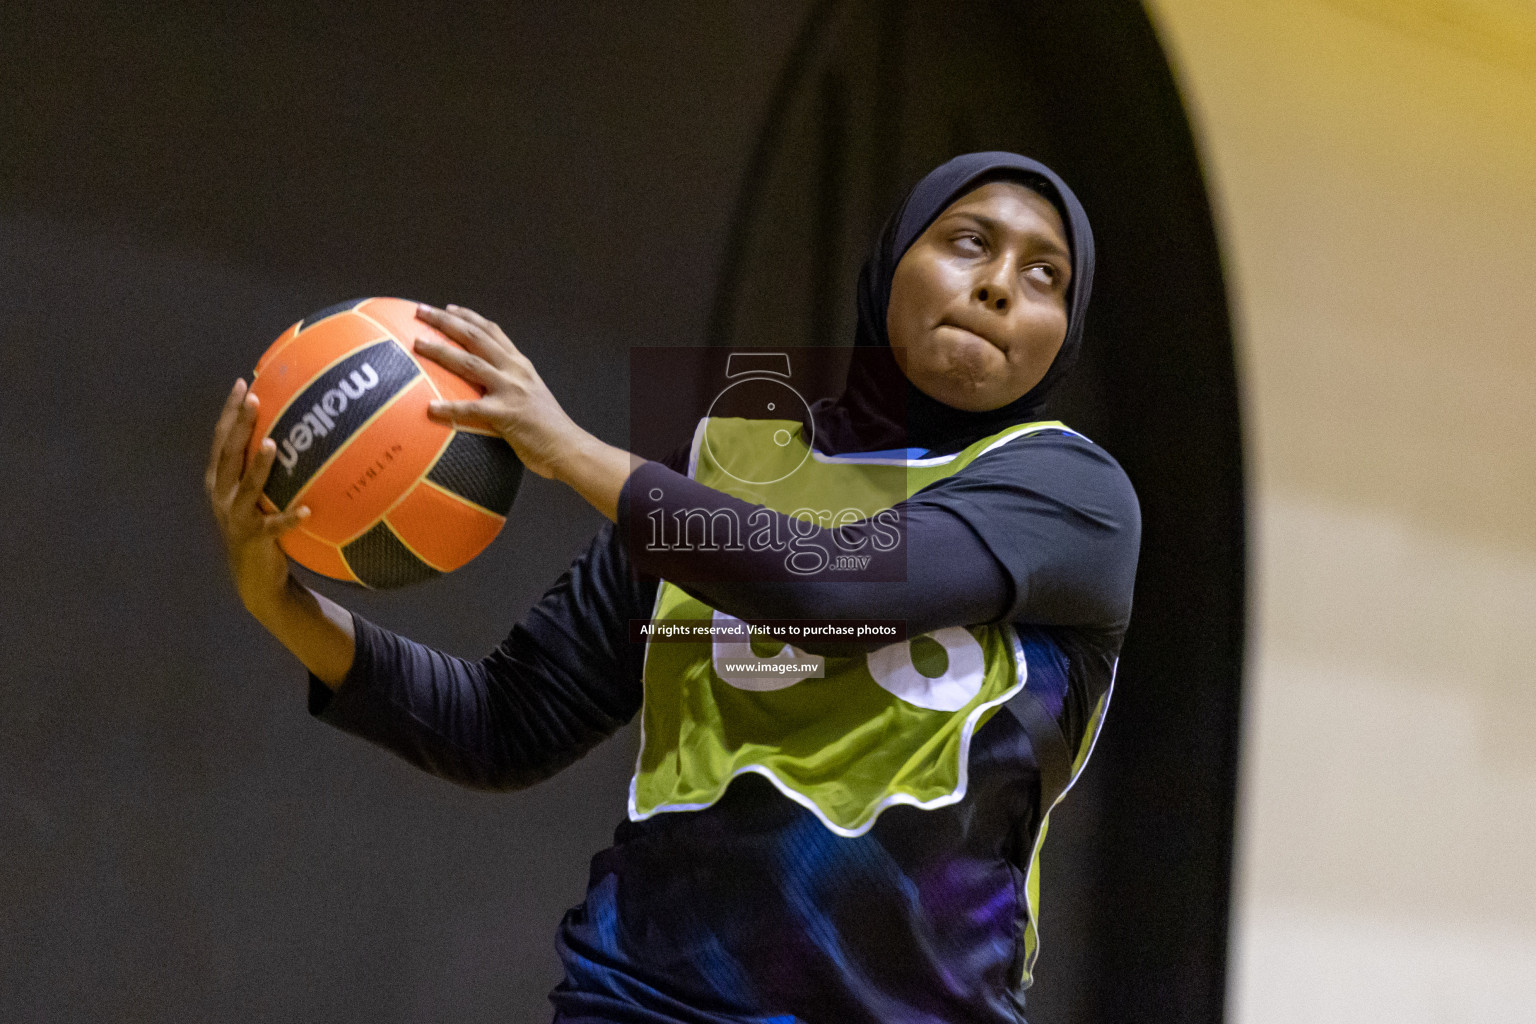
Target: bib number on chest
<point>891,666</point>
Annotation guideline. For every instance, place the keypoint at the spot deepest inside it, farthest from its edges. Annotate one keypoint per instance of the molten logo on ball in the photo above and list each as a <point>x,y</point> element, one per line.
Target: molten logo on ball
<point>321,417</point>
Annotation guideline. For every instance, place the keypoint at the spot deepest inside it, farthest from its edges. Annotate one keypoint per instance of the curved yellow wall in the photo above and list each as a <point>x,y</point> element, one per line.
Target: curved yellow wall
<point>1373,168</point>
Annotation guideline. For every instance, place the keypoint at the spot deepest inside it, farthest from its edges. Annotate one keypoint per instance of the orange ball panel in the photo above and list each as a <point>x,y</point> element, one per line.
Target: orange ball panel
<point>399,318</point>
<point>379,463</point>
<point>276,347</point>
<point>443,529</point>
<point>315,554</point>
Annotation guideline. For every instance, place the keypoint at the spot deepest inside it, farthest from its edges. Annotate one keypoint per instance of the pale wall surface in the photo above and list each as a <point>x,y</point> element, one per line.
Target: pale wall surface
<point>1373,168</point>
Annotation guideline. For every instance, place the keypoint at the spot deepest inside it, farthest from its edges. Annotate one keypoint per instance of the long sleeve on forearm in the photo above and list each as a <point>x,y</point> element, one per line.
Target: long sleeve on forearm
<point>940,575</point>
<point>565,678</point>
<point>1043,530</point>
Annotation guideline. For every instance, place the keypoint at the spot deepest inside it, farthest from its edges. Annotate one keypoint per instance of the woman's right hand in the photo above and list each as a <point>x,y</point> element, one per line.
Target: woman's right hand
<point>258,566</point>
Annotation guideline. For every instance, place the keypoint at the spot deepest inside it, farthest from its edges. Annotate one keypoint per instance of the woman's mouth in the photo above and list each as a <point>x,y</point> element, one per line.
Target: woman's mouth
<point>967,332</point>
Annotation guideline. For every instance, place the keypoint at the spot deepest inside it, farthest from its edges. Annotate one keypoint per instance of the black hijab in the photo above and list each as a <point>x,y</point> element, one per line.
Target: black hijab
<point>879,408</point>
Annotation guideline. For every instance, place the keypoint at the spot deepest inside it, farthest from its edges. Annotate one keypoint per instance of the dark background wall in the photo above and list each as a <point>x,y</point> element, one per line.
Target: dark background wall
<point>179,841</point>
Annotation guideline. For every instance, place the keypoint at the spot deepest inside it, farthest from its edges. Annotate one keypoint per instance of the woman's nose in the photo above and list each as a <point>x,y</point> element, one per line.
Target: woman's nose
<point>992,286</point>
<point>993,295</point>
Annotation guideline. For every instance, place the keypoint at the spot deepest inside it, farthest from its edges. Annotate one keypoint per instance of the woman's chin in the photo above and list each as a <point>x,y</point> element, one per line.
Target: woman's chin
<point>975,403</point>
<point>966,394</point>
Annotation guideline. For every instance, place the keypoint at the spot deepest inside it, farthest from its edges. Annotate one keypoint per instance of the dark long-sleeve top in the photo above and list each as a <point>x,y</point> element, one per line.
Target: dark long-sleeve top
<point>1041,531</point>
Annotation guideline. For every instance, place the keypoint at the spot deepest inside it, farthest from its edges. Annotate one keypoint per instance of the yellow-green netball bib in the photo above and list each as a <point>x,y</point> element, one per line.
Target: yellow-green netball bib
<point>844,737</point>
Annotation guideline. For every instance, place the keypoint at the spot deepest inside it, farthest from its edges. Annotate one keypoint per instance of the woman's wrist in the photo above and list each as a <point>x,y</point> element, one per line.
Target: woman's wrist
<point>596,470</point>
<point>317,630</point>
<point>267,603</point>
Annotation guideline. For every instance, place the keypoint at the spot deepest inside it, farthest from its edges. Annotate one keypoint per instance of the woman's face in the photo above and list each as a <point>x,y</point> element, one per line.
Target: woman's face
<point>979,302</point>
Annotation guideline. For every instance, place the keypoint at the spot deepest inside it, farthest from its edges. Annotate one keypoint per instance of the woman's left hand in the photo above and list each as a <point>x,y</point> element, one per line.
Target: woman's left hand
<point>517,404</point>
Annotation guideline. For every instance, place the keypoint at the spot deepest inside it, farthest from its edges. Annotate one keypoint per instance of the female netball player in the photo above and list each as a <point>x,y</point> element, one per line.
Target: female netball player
<point>840,832</point>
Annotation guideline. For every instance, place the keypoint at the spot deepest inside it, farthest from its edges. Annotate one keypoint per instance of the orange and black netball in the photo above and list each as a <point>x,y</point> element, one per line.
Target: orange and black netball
<point>394,496</point>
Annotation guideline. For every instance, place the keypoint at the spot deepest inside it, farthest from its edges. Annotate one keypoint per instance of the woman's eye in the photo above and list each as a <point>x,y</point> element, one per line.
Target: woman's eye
<point>971,243</point>
<point>1044,272</point>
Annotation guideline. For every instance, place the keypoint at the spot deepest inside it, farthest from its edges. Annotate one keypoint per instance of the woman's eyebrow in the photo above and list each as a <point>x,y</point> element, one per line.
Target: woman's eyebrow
<point>1051,246</point>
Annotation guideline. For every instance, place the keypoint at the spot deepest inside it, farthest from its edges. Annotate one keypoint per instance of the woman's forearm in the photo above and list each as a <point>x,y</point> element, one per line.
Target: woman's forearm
<point>316,629</point>
<point>937,574</point>
<point>565,678</point>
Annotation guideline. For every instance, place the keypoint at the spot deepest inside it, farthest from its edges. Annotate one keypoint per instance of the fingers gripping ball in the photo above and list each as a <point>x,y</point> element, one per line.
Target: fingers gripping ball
<point>395,497</point>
